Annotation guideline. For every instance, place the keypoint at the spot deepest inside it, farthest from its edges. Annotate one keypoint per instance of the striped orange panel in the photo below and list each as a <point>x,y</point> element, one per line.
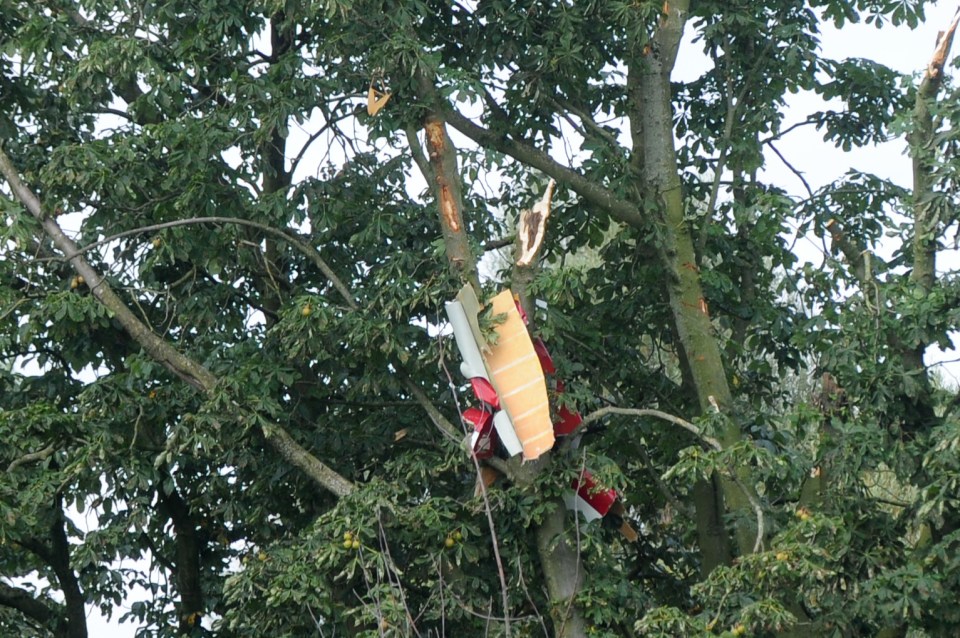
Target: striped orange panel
<point>518,378</point>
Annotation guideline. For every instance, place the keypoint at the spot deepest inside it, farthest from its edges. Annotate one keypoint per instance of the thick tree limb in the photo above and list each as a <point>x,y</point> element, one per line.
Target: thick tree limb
<point>922,149</point>
<point>168,356</point>
<point>46,614</point>
<point>651,115</point>
<point>439,168</point>
<point>593,193</point>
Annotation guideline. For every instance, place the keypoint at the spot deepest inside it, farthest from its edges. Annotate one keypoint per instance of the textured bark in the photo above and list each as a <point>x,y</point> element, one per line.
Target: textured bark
<point>591,192</point>
<point>922,148</point>
<point>439,168</point>
<point>661,180</point>
<point>563,570</point>
<point>562,573</point>
<point>187,565</point>
<point>712,534</point>
<point>919,413</point>
<point>74,600</point>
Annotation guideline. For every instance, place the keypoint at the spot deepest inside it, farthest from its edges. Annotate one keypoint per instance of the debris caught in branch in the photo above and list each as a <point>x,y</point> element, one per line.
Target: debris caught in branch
<point>376,98</point>
<point>590,499</point>
<point>506,376</point>
<point>509,379</point>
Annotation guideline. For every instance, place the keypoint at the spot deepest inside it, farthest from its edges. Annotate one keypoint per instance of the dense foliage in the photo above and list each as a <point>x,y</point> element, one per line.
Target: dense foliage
<point>248,420</point>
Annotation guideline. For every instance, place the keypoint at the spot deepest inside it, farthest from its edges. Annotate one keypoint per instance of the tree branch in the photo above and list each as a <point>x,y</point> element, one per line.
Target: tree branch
<point>23,601</point>
<point>443,177</point>
<point>596,415</point>
<point>313,138</point>
<point>708,440</point>
<point>173,360</point>
<point>590,125</point>
<point>31,457</point>
<point>301,245</point>
<point>792,168</point>
<point>593,193</point>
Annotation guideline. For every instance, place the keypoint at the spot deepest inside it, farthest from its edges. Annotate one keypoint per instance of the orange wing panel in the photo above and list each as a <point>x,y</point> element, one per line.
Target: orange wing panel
<point>518,378</point>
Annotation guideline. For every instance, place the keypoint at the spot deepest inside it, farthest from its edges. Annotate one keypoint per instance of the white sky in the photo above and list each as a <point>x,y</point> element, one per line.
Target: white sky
<point>899,48</point>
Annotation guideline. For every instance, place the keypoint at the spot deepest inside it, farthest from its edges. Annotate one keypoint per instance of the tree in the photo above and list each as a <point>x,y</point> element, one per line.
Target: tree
<point>231,366</point>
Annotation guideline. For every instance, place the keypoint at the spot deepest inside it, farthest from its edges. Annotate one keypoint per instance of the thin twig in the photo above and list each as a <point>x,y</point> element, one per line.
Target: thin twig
<point>526,592</point>
<point>394,571</point>
<point>416,150</point>
<point>755,504</point>
<point>596,415</point>
<point>779,134</point>
<point>792,168</point>
<point>710,441</point>
<point>313,138</point>
<point>305,248</point>
<point>588,122</point>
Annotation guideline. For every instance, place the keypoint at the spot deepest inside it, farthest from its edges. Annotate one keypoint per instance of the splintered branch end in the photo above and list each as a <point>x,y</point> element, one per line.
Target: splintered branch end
<point>532,227</point>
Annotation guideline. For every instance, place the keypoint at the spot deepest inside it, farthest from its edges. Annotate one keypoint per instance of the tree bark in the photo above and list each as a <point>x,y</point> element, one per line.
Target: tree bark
<point>187,564</point>
<point>919,413</point>
<point>74,600</point>
<point>439,167</point>
<point>661,180</point>
<point>562,573</point>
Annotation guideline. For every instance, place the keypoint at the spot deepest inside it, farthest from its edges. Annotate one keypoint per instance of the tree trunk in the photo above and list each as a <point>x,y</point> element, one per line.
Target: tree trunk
<point>651,70</point>
<point>439,168</point>
<point>74,600</point>
<point>562,573</point>
<point>187,573</point>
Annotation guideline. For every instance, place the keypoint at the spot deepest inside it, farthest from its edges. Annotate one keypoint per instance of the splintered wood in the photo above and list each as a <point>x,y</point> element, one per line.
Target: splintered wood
<point>376,100</point>
<point>944,41</point>
<point>532,227</point>
<point>436,145</point>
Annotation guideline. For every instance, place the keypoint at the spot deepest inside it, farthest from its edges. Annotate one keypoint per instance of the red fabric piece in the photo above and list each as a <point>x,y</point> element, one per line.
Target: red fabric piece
<point>485,392</point>
<point>599,499</point>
